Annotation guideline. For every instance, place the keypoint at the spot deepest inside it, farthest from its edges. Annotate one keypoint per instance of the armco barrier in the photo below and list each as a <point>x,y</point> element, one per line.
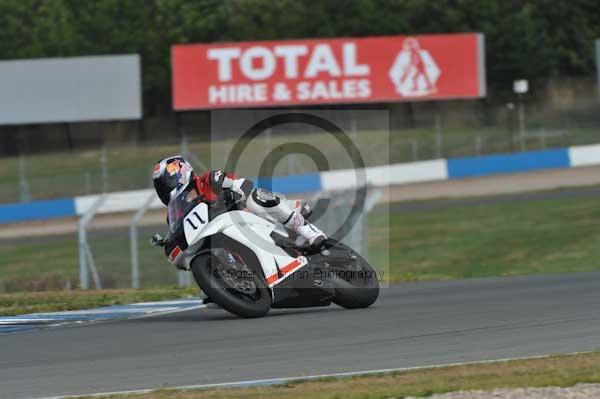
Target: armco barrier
<point>438,169</point>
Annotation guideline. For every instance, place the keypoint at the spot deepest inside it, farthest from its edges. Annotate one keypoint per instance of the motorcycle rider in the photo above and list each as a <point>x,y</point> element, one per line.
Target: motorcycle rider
<point>173,174</point>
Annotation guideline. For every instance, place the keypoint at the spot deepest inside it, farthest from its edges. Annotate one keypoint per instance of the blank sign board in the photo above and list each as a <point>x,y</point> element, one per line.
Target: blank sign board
<point>70,89</point>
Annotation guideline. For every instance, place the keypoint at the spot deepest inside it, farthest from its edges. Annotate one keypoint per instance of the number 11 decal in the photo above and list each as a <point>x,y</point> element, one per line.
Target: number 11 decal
<point>195,221</point>
<point>197,217</point>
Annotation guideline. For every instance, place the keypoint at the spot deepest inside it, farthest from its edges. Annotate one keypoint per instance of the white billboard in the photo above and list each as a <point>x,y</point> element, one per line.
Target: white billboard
<point>70,89</point>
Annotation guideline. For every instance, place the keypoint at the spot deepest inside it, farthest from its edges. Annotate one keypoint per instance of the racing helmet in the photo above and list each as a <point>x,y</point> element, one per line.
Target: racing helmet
<point>171,176</point>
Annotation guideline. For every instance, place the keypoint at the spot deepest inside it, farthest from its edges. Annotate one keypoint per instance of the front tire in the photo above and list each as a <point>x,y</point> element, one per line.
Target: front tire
<point>360,290</point>
<point>208,273</point>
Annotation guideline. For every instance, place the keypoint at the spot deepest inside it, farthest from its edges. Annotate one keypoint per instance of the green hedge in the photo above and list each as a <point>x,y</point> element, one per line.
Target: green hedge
<point>535,39</point>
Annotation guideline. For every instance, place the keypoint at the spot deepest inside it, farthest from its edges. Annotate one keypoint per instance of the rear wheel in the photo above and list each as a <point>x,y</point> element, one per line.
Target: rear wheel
<point>355,281</point>
<point>235,287</point>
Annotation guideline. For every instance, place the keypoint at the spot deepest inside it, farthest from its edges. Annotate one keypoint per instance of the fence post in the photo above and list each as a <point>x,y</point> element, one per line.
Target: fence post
<point>478,145</point>
<point>373,197</point>
<point>415,149</point>
<point>86,260</point>
<point>24,192</point>
<point>83,270</point>
<point>598,64</point>
<point>184,278</point>
<point>438,134</point>
<point>187,154</point>
<point>521,111</point>
<point>543,138</point>
<point>133,241</point>
<point>104,162</point>
<point>87,177</point>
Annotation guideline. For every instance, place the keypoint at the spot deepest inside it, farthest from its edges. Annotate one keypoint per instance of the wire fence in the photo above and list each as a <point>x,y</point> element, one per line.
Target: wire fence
<point>121,168</point>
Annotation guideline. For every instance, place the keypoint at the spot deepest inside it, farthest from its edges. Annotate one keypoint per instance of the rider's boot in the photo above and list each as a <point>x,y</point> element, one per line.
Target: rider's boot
<point>277,209</point>
<point>305,229</point>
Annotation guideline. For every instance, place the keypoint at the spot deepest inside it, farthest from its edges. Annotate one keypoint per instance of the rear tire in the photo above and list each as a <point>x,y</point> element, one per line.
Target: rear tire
<point>205,273</point>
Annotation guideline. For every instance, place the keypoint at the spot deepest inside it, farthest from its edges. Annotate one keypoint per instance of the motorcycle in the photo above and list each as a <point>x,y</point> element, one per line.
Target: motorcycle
<point>248,265</point>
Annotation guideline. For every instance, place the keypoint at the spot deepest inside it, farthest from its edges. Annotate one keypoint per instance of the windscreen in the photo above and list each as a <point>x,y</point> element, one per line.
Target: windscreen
<point>179,207</point>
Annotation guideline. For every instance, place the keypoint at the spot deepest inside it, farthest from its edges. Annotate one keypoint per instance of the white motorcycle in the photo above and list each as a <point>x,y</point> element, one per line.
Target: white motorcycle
<point>248,265</point>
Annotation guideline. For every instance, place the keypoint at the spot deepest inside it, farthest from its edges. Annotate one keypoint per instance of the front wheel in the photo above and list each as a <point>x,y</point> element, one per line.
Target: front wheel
<point>236,289</point>
<point>355,281</point>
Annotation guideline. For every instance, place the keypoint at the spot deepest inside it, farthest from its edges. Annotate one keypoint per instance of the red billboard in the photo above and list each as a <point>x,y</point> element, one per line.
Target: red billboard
<point>327,71</point>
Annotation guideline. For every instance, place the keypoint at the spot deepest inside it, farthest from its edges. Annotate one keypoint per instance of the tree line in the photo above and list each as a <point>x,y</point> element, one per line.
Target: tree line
<point>534,39</point>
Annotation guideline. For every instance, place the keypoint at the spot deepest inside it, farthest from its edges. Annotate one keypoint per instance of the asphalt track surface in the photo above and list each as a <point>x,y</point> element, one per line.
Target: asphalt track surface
<point>414,324</point>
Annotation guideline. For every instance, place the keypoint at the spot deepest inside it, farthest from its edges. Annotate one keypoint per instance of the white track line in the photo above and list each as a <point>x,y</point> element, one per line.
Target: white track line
<point>129,314</point>
<point>166,312</point>
<point>278,381</point>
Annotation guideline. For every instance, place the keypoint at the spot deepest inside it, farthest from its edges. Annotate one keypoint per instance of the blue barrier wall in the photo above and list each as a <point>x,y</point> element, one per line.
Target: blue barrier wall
<point>508,163</point>
<point>37,210</point>
<point>457,168</point>
<point>291,184</point>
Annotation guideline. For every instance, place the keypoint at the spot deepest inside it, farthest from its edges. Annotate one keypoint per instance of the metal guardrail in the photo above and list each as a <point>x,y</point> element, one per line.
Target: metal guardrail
<point>86,259</point>
<point>133,239</point>
<point>338,209</point>
<point>184,279</point>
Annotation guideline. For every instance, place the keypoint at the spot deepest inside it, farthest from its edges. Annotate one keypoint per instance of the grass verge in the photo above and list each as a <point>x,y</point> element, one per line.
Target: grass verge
<point>563,371</point>
<point>501,239</point>
<point>54,301</point>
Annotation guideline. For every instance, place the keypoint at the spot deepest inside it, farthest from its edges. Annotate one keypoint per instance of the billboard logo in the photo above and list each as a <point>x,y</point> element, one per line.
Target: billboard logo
<point>414,72</point>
